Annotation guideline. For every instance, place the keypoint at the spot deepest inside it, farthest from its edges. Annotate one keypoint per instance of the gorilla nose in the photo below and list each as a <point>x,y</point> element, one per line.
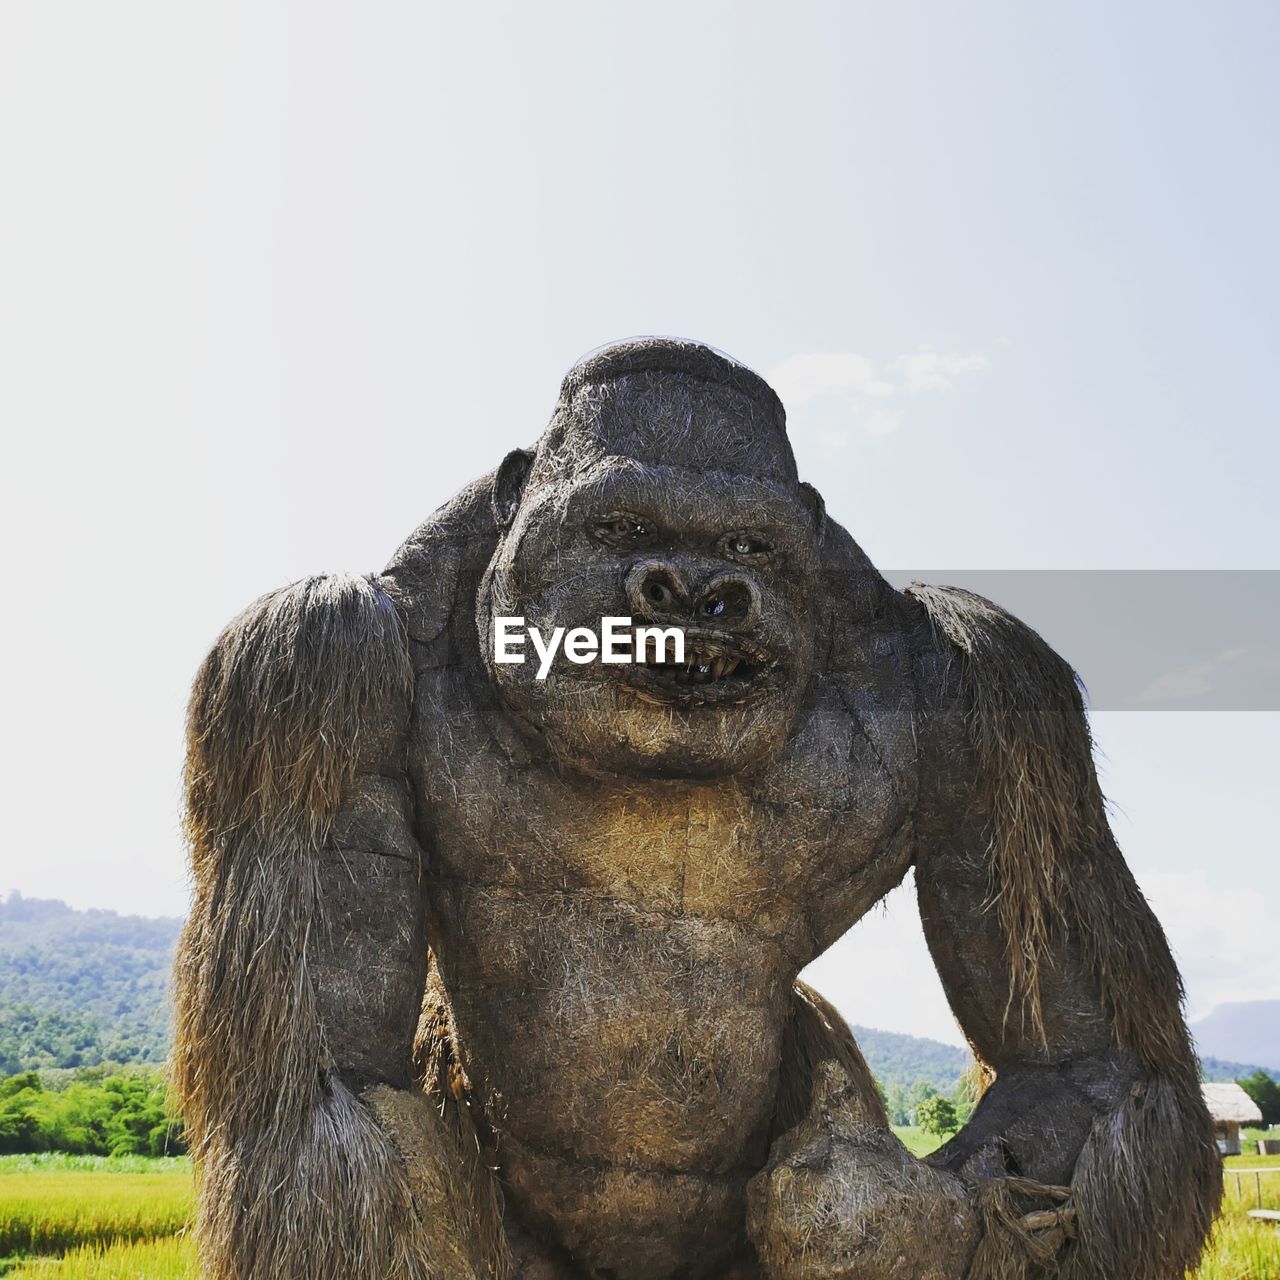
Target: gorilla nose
<point>729,601</point>
<point>657,590</point>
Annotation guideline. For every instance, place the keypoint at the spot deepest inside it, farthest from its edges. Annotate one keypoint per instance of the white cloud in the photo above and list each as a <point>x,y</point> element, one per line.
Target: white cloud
<point>851,385</point>
<point>927,370</point>
<point>1192,681</point>
<point>799,379</point>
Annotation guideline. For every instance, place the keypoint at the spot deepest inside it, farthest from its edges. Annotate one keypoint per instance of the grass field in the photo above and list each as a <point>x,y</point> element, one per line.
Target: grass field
<point>165,1258</point>
<point>1242,1248</point>
<point>95,1218</point>
<point>60,1162</point>
<point>917,1141</point>
<point>51,1205</point>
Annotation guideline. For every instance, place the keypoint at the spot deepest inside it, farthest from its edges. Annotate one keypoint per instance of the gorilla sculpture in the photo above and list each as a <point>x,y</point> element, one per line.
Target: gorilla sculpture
<point>493,976</point>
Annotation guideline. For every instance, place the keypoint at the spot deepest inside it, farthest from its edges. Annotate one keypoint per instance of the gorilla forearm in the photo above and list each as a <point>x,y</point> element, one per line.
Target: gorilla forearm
<point>300,971</point>
<point>1051,1082</point>
<point>1054,965</point>
<point>1085,1105</point>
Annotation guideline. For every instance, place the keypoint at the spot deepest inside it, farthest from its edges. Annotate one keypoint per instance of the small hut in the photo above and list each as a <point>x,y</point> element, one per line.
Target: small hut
<point>1230,1107</point>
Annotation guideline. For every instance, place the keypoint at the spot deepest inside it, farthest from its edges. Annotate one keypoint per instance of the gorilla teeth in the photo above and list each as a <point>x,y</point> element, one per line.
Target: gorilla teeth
<point>704,666</point>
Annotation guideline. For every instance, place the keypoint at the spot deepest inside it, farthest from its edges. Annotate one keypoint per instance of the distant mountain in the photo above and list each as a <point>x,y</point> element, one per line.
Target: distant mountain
<point>81,987</point>
<point>1214,1069</point>
<point>1244,1031</point>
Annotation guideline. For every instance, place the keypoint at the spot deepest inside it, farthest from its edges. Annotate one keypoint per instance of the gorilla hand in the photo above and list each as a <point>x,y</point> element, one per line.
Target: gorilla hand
<point>842,1197</point>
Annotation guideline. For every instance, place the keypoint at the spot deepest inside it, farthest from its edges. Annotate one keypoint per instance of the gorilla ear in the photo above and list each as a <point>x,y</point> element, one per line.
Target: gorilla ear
<point>508,485</point>
<point>817,508</point>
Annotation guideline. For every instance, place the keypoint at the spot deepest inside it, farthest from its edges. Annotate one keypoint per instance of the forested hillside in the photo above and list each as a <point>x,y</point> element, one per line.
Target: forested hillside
<point>1217,1069</point>
<point>81,987</point>
<point>897,1059</point>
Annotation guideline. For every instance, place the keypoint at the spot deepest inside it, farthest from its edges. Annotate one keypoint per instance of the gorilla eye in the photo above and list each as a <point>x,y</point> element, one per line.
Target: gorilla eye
<point>621,530</point>
<point>747,544</point>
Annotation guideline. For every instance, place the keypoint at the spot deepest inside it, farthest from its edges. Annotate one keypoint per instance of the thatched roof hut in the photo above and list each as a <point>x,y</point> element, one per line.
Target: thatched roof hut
<point>1230,1107</point>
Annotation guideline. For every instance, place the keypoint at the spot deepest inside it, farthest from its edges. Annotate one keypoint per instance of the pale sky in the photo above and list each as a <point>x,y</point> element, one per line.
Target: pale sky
<point>277,279</point>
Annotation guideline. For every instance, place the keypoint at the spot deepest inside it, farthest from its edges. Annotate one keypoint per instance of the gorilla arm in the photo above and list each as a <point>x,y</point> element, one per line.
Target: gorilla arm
<point>300,972</point>
<point>1057,971</point>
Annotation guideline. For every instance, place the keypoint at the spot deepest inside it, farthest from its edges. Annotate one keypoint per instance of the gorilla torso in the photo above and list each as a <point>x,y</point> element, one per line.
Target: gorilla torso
<point>619,952</point>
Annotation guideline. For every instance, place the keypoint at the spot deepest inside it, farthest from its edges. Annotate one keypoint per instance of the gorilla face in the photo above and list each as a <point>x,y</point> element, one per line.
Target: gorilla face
<point>644,514</point>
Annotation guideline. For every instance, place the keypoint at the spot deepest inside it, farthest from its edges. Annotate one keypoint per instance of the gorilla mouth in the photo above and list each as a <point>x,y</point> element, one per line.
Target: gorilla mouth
<point>718,670</point>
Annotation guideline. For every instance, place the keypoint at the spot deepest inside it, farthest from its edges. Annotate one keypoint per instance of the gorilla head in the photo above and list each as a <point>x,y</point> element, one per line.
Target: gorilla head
<point>664,489</point>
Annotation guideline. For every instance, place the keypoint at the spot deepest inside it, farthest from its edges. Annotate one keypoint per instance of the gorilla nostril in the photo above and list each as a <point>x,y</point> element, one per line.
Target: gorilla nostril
<point>659,591</point>
<point>654,588</point>
<point>730,601</point>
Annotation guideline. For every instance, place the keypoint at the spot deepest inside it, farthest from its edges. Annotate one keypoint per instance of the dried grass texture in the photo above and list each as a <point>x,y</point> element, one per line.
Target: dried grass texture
<point>1026,1226</point>
<point>1035,757</point>
<point>842,1197</point>
<point>1147,1183</point>
<point>306,689</point>
<point>610,987</point>
<point>711,412</point>
<point>818,1034</point>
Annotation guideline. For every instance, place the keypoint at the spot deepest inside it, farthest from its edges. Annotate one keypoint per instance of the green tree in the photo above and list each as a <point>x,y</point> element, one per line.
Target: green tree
<point>74,1118</point>
<point>937,1115</point>
<point>1266,1093</point>
<point>81,987</point>
<point>895,1103</point>
<point>19,1125</point>
<point>98,1111</point>
<point>140,1124</point>
<point>919,1092</point>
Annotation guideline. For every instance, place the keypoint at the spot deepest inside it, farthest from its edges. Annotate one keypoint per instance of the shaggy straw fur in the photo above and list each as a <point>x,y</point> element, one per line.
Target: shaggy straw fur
<point>1147,1183</point>
<point>1035,756</point>
<point>298,1178</point>
<point>629,867</point>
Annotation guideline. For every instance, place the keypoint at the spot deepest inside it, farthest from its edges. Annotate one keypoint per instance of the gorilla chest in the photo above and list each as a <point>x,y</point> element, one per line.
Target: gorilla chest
<point>748,852</point>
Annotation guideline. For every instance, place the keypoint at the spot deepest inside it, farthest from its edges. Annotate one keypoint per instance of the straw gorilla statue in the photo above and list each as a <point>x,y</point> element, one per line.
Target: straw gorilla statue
<point>495,976</point>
